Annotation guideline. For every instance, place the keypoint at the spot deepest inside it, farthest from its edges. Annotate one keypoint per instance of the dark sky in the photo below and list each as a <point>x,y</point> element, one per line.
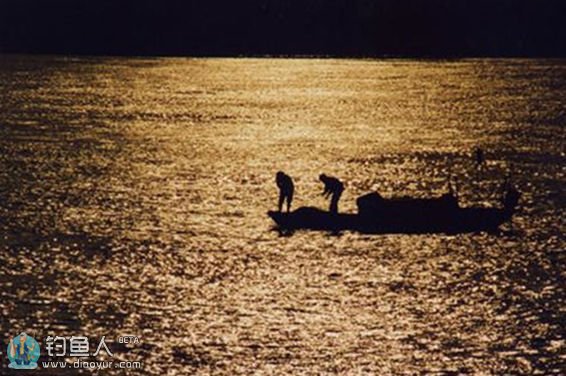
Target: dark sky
<point>420,28</point>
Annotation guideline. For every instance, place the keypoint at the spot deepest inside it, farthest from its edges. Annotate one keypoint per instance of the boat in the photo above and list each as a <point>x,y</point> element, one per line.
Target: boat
<point>378,215</point>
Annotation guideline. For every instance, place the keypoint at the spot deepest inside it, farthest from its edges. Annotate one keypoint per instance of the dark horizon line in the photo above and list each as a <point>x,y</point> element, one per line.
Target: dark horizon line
<point>290,56</point>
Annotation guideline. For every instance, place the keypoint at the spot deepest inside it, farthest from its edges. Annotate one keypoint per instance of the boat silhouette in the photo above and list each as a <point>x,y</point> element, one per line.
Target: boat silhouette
<point>378,215</point>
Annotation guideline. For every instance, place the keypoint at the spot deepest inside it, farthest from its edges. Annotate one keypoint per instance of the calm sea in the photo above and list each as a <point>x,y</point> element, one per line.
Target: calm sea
<point>133,199</point>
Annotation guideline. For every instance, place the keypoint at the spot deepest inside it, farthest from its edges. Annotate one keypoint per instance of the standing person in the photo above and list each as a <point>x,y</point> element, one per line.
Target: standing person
<point>286,189</point>
<point>479,157</point>
<point>334,187</point>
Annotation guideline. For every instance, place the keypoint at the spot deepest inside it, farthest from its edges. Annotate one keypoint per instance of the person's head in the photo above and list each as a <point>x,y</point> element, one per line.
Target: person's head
<point>23,338</point>
<point>322,177</point>
<point>279,176</point>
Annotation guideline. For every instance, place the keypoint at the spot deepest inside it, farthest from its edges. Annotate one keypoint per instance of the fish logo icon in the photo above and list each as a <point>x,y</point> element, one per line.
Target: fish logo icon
<point>23,352</point>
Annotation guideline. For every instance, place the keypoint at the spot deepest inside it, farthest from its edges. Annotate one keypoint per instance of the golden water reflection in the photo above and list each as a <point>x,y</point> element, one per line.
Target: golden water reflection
<point>133,198</point>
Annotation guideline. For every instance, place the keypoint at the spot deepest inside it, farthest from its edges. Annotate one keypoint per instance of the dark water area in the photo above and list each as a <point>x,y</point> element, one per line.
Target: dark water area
<point>134,192</point>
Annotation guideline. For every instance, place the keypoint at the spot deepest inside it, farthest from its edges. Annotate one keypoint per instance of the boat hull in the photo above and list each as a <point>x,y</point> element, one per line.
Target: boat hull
<point>457,220</point>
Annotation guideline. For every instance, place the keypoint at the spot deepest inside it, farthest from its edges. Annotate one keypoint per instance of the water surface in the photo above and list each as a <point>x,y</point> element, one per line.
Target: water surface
<point>133,195</point>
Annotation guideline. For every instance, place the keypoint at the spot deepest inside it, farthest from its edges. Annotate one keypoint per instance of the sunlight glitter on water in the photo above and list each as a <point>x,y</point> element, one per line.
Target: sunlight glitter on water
<point>134,194</point>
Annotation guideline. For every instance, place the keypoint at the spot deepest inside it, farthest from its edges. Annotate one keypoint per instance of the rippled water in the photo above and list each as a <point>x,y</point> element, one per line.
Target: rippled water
<point>133,195</point>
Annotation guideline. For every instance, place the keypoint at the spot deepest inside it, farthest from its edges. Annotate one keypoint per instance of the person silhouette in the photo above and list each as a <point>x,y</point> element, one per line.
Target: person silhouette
<point>286,189</point>
<point>334,187</point>
<point>479,157</point>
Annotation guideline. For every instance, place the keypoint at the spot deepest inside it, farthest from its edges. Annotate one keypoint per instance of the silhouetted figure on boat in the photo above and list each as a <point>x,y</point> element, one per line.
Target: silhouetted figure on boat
<point>510,194</point>
<point>332,187</point>
<point>479,157</point>
<point>286,189</point>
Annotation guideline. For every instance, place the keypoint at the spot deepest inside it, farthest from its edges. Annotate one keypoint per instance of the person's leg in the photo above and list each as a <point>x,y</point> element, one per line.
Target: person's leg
<point>289,201</point>
<point>334,203</point>
<point>281,199</point>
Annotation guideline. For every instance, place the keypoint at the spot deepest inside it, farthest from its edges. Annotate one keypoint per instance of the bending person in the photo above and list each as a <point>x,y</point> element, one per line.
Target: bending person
<point>334,187</point>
